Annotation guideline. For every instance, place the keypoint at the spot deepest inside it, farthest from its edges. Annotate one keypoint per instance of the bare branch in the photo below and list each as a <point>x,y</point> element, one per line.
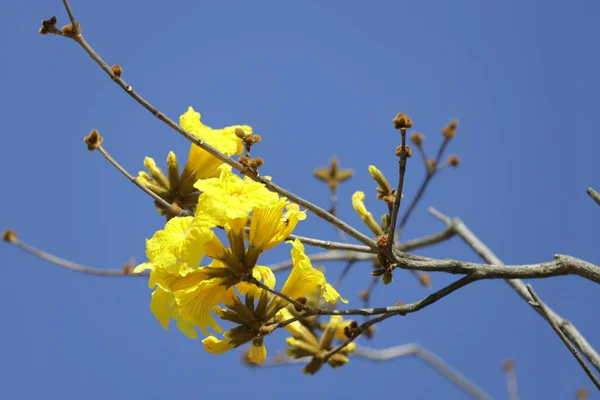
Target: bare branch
<point>403,350</point>
<point>511,379</point>
<point>398,198</point>
<point>562,265</point>
<point>538,304</point>
<point>433,360</point>
<point>594,195</point>
<point>399,309</point>
<point>71,265</point>
<point>485,253</point>
<point>361,256</point>
<point>171,207</point>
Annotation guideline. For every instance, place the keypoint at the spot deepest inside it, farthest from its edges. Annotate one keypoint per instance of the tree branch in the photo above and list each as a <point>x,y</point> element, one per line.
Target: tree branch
<point>362,256</point>
<point>68,264</point>
<point>539,305</point>
<point>594,195</point>
<point>433,360</point>
<point>485,253</point>
<point>398,197</point>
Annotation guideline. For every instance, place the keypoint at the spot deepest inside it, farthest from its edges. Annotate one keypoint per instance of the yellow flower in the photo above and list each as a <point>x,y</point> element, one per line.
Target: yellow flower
<point>217,346</point>
<point>358,199</point>
<point>258,352</point>
<point>179,248</point>
<point>303,278</point>
<point>298,329</point>
<point>163,304</point>
<point>195,301</point>
<point>232,338</point>
<point>229,197</point>
<point>270,226</point>
<point>200,164</point>
<point>260,273</point>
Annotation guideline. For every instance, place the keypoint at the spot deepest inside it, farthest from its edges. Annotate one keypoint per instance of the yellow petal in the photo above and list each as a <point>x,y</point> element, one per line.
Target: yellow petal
<point>260,273</point>
<point>201,164</point>
<point>257,354</point>
<point>297,329</point>
<point>216,346</point>
<point>181,243</point>
<point>195,303</point>
<point>303,278</point>
<point>229,197</point>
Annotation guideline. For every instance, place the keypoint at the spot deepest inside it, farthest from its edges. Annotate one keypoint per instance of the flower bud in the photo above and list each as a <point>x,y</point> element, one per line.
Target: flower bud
<point>402,121</point>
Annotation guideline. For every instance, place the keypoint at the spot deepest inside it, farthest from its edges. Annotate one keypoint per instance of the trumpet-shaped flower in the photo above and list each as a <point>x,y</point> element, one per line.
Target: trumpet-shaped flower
<point>303,278</point>
<point>229,196</point>
<point>179,248</point>
<point>200,163</point>
<point>270,226</point>
<point>163,304</point>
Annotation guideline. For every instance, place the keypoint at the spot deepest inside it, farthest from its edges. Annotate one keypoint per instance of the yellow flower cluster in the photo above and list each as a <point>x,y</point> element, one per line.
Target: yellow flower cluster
<point>198,278</point>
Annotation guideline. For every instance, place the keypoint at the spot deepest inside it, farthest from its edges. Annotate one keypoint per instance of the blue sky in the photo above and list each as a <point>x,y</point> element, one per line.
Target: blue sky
<point>314,79</point>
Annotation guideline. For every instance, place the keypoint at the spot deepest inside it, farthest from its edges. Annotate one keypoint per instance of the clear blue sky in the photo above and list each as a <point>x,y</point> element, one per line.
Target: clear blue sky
<point>314,79</point>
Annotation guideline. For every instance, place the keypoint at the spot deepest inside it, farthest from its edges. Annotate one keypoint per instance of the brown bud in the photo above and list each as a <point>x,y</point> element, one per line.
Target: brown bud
<point>382,241</point>
<point>364,295</point>
<point>254,163</point>
<point>402,121</point>
<point>93,140</point>
<point>453,160</point>
<point>417,138</point>
<point>582,394</point>
<point>68,30</point>
<point>425,280</point>
<point>508,365</point>
<point>239,132</point>
<point>450,130</point>
<point>398,304</point>
<point>49,26</point>
<point>378,272</point>
<point>256,139</point>
<point>244,160</point>
<point>347,332</point>
<point>353,325</point>
<point>369,332</point>
<point>408,151</point>
<point>9,236</point>
<point>117,69</point>
<point>301,300</point>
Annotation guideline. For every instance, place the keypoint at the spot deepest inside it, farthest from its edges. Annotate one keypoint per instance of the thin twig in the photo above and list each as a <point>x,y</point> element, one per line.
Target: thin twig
<point>171,207</point>
<point>361,256</point>
<point>433,360</point>
<point>594,195</point>
<point>407,308</point>
<point>431,172</point>
<point>511,380</point>
<point>398,198</point>
<point>318,211</point>
<point>486,254</point>
<point>537,303</point>
<point>71,265</point>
